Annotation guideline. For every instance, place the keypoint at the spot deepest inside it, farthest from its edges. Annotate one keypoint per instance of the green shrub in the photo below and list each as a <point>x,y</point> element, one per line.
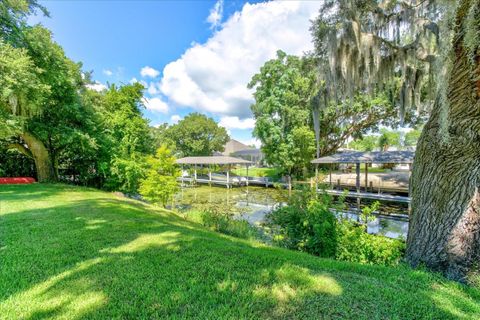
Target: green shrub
<point>308,224</point>
<point>160,183</point>
<point>355,245</point>
<point>224,222</point>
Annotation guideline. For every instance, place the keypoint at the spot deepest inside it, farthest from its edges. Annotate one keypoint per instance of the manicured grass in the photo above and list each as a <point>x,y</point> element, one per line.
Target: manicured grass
<point>272,173</point>
<point>70,253</point>
<point>362,169</point>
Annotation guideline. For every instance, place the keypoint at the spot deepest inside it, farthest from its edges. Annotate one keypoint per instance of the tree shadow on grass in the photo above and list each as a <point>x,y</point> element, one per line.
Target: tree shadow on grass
<point>31,192</point>
<point>109,258</point>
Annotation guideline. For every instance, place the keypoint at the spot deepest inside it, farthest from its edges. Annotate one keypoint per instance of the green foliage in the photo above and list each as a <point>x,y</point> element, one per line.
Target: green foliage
<point>13,18</point>
<point>301,145</point>
<point>159,137</point>
<point>125,173</point>
<point>126,139</point>
<point>362,46</point>
<point>21,91</point>
<point>411,137</point>
<point>91,138</point>
<point>308,224</point>
<point>355,245</point>
<point>224,222</point>
<point>281,110</point>
<point>197,135</point>
<point>286,102</point>
<point>367,214</point>
<point>389,139</point>
<point>14,164</point>
<point>41,92</point>
<point>123,116</point>
<point>160,183</point>
<point>355,119</point>
<point>366,143</point>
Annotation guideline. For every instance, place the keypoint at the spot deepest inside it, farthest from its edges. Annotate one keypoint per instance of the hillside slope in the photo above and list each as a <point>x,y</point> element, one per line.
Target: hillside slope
<point>69,253</point>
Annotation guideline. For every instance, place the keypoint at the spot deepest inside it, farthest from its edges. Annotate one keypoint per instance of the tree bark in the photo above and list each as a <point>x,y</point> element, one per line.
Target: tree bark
<point>41,156</point>
<point>444,231</point>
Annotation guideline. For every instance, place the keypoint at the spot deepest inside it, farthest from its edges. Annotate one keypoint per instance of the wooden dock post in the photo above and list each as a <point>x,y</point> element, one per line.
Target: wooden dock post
<point>357,184</point>
<point>210,175</point>
<point>182,178</point>
<point>228,176</point>
<point>366,177</point>
<point>331,168</point>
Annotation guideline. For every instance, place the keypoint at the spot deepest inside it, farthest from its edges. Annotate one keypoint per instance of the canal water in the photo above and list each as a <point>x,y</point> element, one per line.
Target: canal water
<point>253,203</point>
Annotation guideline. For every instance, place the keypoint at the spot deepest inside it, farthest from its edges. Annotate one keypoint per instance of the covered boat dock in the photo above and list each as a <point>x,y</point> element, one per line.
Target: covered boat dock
<point>366,158</point>
<point>213,178</point>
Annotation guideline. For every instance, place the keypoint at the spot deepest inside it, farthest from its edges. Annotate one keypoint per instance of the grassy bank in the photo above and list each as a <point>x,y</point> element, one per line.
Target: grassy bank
<point>70,253</point>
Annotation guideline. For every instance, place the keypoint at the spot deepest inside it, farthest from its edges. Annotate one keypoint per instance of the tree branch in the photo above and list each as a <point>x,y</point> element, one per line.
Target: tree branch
<point>21,148</point>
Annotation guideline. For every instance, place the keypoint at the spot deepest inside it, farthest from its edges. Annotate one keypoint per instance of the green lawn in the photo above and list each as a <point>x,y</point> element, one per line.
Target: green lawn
<point>272,173</point>
<point>75,253</point>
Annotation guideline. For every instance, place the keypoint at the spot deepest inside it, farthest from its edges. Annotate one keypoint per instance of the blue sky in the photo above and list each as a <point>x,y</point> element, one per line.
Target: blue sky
<point>192,55</point>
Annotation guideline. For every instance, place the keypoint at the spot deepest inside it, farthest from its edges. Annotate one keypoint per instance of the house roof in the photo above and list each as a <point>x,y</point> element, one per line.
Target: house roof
<point>368,157</point>
<point>212,160</point>
<point>248,152</point>
<point>233,146</point>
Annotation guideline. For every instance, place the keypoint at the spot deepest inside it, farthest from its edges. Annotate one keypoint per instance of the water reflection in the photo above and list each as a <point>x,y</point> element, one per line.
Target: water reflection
<point>253,203</point>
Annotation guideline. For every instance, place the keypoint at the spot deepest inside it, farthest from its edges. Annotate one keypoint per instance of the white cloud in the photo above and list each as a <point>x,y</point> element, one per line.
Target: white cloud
<point>212,77</point>
<point>155,104</point>
<point>152,89</point>
<point>216,15</point>
<point>107,72</point>
<point>97,86</point>
<point>175,118</point>
<point>149,72</point>
<point>235,123</point>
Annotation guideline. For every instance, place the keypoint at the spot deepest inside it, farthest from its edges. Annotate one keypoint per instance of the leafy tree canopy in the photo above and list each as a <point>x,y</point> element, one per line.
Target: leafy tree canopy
<point>389,138</point>
<point>13,16</point>
<point>363,45</point>
<point>160,183</point>
<point>366,143</point>
<point>285,99</point>
<point>282,92</point>
<point>197,135</point>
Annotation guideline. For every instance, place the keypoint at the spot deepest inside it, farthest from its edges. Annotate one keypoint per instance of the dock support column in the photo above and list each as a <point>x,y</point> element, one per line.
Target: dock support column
<point>181,177</point>
<point>357,169</point>
<point>366,177</point>
<point>247,176</point>
<point>210,175</point>
<point>228,176</point>
<point>331,168</point>
<point>195,173</point>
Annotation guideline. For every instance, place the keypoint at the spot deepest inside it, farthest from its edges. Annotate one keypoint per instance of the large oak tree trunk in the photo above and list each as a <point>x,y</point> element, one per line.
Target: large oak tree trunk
<point>444,232</point>
<point>39,153</point>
